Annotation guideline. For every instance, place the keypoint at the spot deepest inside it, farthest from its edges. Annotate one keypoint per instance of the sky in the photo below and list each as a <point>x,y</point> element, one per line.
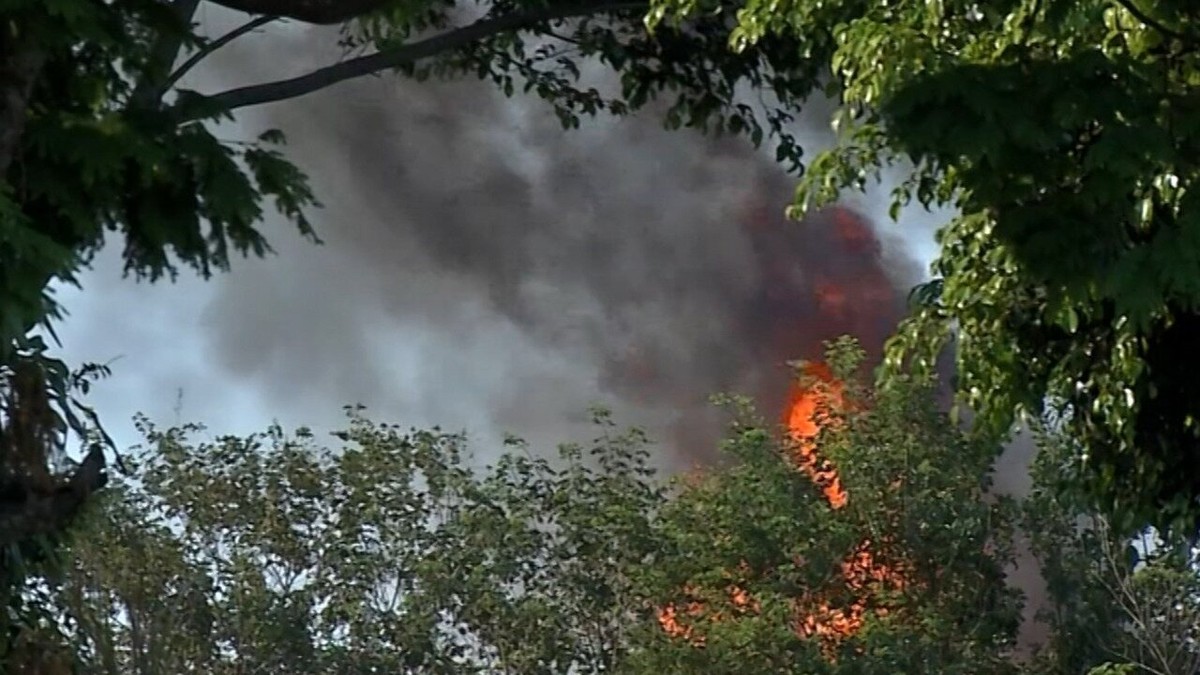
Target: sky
<point>482,270</point>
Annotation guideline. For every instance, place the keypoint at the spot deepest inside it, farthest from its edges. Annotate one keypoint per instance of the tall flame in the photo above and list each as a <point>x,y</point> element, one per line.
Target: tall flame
<point>817,282</point>
<point>818,394</point>
<point>803,423</point>
<point>863,574</point>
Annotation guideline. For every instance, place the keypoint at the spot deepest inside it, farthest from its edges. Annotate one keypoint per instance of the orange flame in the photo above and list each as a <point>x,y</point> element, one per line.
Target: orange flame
<point>863,574</point>
<point>804,425</point>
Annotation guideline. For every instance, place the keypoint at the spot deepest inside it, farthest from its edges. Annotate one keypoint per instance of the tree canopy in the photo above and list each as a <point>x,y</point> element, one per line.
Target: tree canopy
<point>1063,135</point>
<point>273,553</point>
<point>277,553</point>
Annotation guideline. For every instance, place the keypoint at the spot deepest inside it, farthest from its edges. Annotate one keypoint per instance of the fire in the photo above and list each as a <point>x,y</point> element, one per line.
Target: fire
<point>819,280</point>
<point>803,425</point>
<point>863,573</point>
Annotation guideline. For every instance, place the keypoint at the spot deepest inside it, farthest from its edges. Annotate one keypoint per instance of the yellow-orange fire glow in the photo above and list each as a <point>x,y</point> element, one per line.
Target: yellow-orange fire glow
<point>804,424</point>
<point>863,574</point>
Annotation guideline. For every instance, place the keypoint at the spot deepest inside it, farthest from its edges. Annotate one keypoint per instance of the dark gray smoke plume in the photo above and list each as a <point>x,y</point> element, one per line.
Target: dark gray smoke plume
<point>617,264</point>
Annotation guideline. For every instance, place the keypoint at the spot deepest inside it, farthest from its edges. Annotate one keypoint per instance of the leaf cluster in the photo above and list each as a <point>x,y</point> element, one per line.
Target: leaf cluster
<point>1063,135</point>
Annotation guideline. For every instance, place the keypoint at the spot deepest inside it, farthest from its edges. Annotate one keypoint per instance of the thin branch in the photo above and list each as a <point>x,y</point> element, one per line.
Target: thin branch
<point>213,46</point>
<point>1151,22</point>
<point>1123,594</point>
<point>565,38</point>
<point>280,90</point>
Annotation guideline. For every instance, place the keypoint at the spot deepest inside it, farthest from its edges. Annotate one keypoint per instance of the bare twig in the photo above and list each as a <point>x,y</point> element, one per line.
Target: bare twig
<point>213,46</point>
<point>1141,615</point>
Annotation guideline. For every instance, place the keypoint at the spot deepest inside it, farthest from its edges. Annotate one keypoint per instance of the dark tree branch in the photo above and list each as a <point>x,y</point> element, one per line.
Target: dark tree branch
<point>149,92</point>
<point>308,11</point>
<point>20,67</point>
<point>269,92</point>
<point>46,513</point>
<point>213,46</point>
<point>1156,25</point>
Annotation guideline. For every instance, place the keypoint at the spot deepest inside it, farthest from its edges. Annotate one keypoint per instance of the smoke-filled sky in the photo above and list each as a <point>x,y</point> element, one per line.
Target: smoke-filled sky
<point>485,270</point>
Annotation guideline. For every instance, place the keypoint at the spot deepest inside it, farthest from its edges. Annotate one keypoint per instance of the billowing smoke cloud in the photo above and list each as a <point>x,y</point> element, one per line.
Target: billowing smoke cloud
<point>617,264</point>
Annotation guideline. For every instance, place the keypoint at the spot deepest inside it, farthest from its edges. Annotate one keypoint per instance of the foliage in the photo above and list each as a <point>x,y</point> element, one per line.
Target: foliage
<point>915,511</point>
<point>94,154</point>
<point>270,554</point>
<point>398,552</point>
<point>99,153</point>
<point>100,145</point>
<point>1113,595</point>
<point>1063,134</point>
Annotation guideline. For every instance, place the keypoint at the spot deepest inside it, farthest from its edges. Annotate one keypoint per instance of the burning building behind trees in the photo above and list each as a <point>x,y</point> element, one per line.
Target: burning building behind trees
<point>540,272</point>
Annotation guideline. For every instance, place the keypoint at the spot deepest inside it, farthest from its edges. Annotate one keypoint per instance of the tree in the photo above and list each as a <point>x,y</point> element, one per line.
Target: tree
<point>98,139</point>
<point>861,542</point>
<point>398,551</point>
<point>387,555</point>
<point>1063,135</point>
<point>1127,600</point>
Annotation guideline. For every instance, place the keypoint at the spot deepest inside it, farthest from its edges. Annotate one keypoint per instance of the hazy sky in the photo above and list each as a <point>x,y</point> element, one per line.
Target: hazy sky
<point>483,269</point>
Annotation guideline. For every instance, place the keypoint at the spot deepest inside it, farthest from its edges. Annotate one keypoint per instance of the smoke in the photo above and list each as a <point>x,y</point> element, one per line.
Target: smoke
<point>539,271</point>
<point>1012,478</point>
<point>485,270</point>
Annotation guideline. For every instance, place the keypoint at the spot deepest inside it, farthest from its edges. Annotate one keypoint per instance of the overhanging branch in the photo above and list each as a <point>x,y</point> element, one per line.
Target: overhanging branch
<point>1156,25</point>
<point>164,51</point>
<point>270,92</point>
<point>308,11</point>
